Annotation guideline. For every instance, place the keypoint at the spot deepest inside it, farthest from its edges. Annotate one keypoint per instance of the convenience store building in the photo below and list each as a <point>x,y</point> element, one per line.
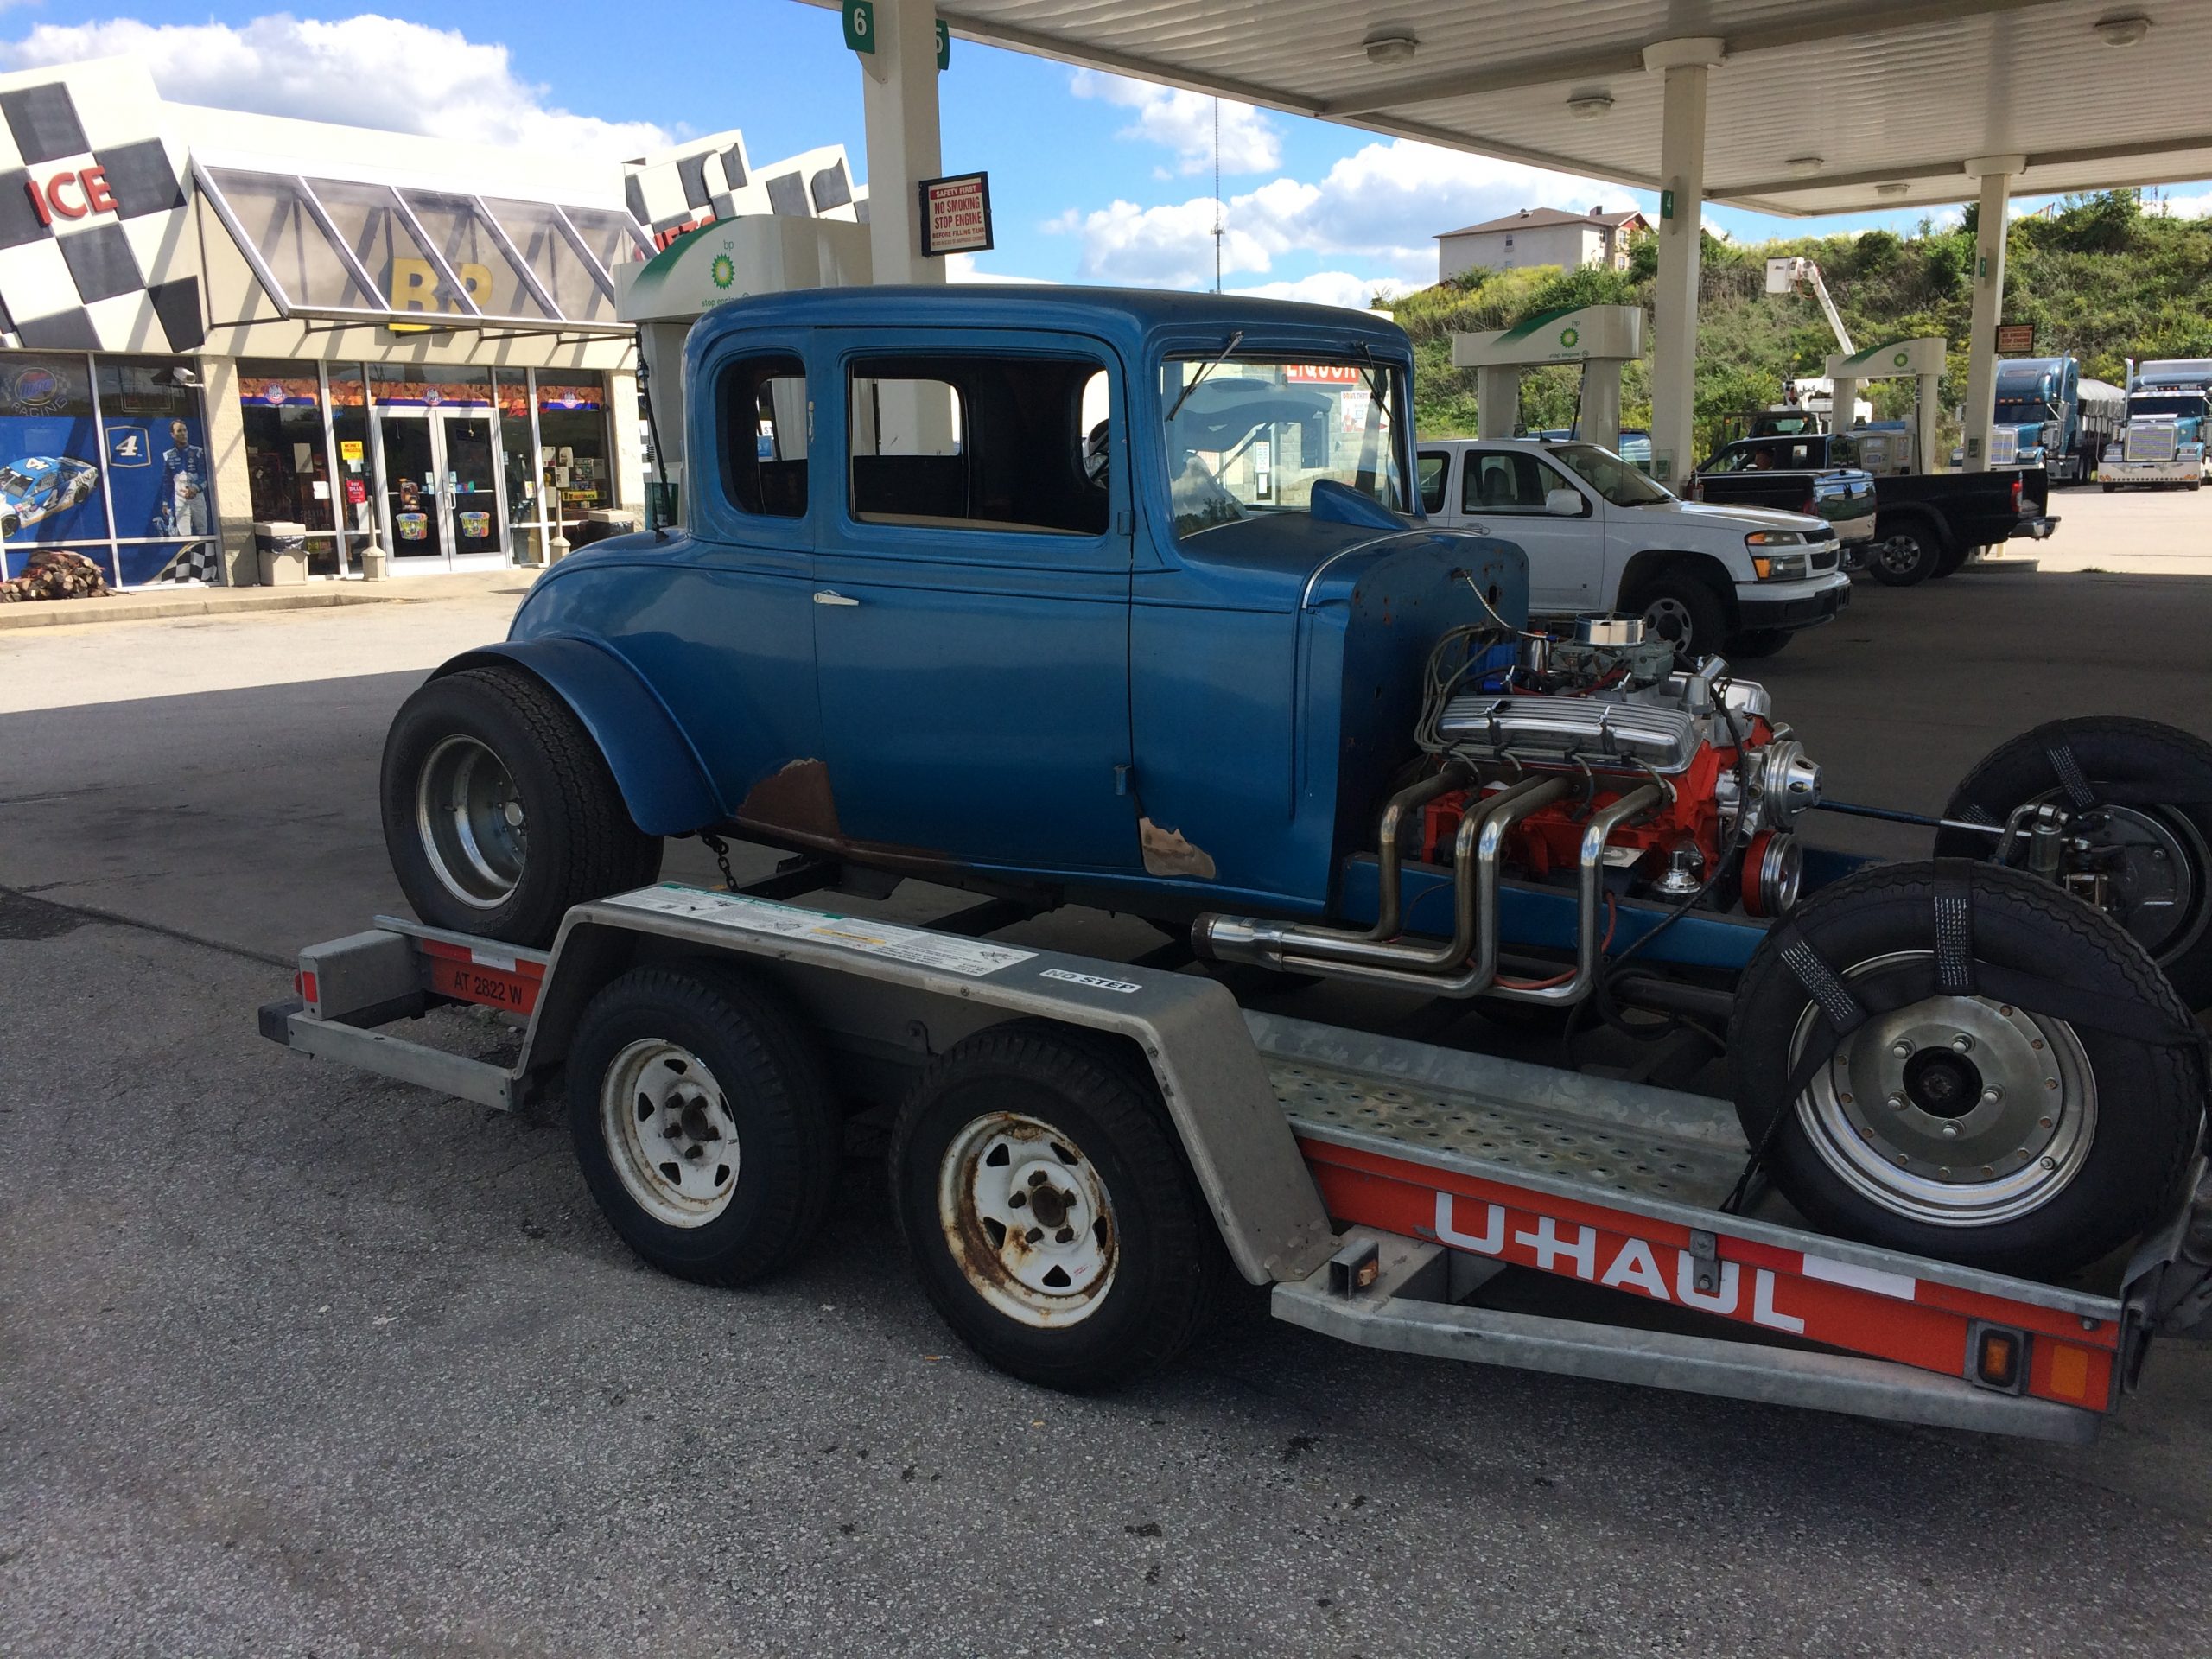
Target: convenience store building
<point>211,319</point>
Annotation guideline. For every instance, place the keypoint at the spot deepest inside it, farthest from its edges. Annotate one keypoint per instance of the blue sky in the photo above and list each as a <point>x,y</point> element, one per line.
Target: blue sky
<point>1093,178</point>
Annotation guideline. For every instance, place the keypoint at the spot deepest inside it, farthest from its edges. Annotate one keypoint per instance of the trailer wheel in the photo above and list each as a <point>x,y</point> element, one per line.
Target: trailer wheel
<point>2155,856</point>
<point>1909,555</point>
<point>499,812</point>
<point>703,1122</point>
<point>1048,1210</point>
<point>1994,1133</point>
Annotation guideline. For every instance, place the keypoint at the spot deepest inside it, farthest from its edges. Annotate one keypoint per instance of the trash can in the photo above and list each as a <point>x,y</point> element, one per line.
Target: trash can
<point>282,548</point>
<point>598,524</point>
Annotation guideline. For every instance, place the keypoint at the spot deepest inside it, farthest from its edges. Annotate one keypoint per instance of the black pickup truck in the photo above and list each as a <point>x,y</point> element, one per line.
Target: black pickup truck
<point>1925,524</point>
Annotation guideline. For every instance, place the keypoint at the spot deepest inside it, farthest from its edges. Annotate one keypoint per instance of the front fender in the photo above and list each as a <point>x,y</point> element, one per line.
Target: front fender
<point>654,764</point>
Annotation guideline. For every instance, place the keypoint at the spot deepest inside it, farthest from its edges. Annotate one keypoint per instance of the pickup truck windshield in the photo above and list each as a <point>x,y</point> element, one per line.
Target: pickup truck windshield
<point>1607,473</point>
<point>1253,434</point>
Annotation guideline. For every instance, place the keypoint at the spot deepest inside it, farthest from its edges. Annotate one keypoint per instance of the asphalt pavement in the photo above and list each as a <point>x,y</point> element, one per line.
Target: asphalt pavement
<point>294,1361</point>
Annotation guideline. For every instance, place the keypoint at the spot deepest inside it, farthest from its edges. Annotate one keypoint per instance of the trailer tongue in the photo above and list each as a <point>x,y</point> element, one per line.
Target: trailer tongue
<point>1383,1188</point>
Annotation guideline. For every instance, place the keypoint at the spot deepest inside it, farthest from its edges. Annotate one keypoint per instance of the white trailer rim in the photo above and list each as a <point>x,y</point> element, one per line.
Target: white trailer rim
<point>669,1132</point>
<point>1028,1220</point>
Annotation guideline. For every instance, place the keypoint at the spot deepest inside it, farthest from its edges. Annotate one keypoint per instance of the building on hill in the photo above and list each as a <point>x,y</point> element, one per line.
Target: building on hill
<point>1540,236</point>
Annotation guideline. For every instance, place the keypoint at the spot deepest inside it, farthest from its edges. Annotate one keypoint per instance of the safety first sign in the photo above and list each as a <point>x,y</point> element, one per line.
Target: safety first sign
<point>957,215</point>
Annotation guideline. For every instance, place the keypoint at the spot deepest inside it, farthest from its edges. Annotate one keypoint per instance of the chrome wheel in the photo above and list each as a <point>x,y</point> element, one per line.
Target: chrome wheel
<point>669,1132</point>
<point>470,818</point>
<point>1958,1111</point>
<point>1028,1220</point>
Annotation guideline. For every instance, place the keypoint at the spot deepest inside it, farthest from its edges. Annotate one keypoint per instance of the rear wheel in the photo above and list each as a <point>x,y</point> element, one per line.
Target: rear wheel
<point>1908,555</point>
<point>1989,1131</point>
<point>499,812</point>
<point>1048,1209</point>
<point>2154,856</point>
<point>703,1122</point>
<point>1679,605</point>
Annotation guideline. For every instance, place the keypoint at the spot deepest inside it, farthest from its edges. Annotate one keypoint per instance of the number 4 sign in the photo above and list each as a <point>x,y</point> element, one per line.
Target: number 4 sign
<point>127,446</point>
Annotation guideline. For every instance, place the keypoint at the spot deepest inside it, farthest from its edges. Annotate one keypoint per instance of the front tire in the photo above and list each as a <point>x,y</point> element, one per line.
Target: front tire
<point>1048,1210</point>
<point>1680,606</point>
<point>1987,1133</point>
<point>1906,557</point>
<point>703,1122</point>
<point>499,812</point>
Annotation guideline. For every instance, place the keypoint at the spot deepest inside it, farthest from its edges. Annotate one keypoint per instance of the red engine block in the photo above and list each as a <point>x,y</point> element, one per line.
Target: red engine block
<point>1552,839</point>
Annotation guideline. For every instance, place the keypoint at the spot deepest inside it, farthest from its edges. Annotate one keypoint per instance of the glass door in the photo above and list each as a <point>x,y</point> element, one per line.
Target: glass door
<point>468,464</point>
<point>419,536</point>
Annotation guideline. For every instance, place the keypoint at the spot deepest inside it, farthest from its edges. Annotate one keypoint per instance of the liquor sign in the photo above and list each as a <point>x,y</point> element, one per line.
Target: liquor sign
<point>1322,374</point>
<point>2018,337</point>
<point>957,215</point>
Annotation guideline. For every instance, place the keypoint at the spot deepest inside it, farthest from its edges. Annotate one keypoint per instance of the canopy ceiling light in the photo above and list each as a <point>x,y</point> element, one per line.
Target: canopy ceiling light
<point>1805,165</point>
<point>1893,189</point>
<point>2122,28</point>
<point>1391,45</point>
<point>1588,106</point>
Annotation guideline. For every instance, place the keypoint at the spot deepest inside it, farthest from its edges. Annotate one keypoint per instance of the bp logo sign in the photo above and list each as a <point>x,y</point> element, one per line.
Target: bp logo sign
<point>1900,360</point>
<point>723,271</point>
<point>1570,337</point>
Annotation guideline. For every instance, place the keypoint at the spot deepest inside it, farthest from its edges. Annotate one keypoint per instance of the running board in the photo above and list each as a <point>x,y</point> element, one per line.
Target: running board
<point>1390,1312</point>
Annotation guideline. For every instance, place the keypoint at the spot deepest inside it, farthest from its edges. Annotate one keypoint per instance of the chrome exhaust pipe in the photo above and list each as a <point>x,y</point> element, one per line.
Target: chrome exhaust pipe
<point>1277,943</point>
<point>1389,883</point>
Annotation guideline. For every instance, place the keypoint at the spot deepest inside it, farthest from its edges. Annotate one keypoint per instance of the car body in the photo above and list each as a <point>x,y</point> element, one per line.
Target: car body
<point>42,486</point>
<point>874,656</point>
<point>1600,550</point>
<point>1794,474</point>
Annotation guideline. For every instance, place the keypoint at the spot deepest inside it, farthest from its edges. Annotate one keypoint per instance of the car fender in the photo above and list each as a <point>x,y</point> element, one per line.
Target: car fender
<point>1922,515</point>
<point>654,764</point>
<point>1710,567</point>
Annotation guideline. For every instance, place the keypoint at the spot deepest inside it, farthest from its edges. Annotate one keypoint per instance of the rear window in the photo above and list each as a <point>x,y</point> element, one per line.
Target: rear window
<point>764,423</point>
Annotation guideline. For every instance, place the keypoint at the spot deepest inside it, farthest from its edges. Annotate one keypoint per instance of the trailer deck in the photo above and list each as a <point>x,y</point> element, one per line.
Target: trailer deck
<point>1381,1186</point>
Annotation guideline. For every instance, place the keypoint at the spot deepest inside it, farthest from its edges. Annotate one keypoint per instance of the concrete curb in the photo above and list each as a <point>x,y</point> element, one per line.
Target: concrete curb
<point>143,606</point>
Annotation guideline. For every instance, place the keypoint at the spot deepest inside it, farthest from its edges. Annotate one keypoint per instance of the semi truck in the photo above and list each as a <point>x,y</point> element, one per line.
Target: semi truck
<point>2039,405</point>
<point>2168,416</point>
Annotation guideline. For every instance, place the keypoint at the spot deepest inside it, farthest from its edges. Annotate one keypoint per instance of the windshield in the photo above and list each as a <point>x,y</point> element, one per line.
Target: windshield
<point>1252,434</point>
<point>2017,411</point>
<point>2172,402</point>
<point>1607,473</point>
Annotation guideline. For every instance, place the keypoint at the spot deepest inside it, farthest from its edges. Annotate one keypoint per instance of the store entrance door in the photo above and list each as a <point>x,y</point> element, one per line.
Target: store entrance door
<point>442,485</point>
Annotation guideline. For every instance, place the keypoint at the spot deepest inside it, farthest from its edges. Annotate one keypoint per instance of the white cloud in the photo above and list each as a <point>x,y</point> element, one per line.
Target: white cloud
<point>1183,122</point>
<point>1327,288</point>
<point>1382,204</point>
<point>2186,207</point>
<point>364,71</point>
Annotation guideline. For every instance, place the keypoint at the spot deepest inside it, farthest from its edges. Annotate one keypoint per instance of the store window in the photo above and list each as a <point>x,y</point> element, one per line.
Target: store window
<point>356,484</point>
<point>572,439</point>
<point>526,532</point>
<point>287,462</point>
<point>158,483</point>
<point>50,473</point>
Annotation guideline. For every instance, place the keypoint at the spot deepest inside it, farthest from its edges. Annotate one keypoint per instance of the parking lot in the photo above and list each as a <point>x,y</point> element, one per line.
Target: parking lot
<point>294,1361</point>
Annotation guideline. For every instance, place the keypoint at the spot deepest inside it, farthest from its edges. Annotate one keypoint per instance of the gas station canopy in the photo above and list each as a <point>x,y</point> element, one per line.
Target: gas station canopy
<point>1816,106</point>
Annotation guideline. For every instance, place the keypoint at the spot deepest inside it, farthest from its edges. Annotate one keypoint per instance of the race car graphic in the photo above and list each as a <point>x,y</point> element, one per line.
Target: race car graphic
<point>40,486</point>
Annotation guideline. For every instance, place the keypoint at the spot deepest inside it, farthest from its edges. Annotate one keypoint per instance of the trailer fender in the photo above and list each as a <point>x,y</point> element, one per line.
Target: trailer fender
<point>654,764</point>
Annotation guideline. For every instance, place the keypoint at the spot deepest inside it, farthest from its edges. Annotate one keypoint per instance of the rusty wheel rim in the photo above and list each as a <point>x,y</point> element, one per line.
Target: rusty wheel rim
<point>1028,1219</point>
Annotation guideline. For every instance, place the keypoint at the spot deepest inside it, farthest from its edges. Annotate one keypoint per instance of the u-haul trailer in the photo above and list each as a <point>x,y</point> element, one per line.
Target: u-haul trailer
<point>1378,1185</point>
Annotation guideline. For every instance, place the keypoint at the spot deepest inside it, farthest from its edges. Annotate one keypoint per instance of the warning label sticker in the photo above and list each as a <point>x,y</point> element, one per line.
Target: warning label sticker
<point>972,958</point>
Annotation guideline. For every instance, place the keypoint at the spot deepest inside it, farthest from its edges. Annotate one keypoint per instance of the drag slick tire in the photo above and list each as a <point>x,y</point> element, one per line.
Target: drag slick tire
<point>1048,1209</point>
<point>499,810</point>
<point>1958,1127</point>
<point>703,1122</point>
<point>2161,882</point>
<point>1910,554</point>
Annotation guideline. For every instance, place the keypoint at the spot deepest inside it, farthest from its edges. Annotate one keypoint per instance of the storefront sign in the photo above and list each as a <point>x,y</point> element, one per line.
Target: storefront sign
<point>357,490</point>
<point>2017,337</point>
<point>957,215</point>
<point>71,195</point>
<point>1321,374</point>
<point>349,451</point>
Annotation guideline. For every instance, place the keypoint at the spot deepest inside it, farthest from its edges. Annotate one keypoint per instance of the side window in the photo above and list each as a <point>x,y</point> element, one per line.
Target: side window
<point>1436,471</point>
<point>988,443</point>
<point>1502,480</point>
<point>763,411</point>
<point>1549,478</point>
<point>1728,460</point>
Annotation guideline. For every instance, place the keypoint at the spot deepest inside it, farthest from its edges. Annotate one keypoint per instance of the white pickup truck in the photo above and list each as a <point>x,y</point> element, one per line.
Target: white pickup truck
<point>1600,536</point>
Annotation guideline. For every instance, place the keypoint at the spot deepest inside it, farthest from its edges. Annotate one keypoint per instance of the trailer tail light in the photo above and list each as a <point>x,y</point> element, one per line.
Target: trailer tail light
<point>1999,1357</point>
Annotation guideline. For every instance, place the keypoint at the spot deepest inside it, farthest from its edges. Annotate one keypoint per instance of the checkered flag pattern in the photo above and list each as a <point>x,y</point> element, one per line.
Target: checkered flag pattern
<point>201,561</point>
<point>91,200</point>
<point>713,179</point>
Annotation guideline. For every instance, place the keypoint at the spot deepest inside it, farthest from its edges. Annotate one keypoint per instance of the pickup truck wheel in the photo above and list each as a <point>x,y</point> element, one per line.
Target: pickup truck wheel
<point>1996,1134</point>
<point>499,810</point>
<point>1754,643</point>
<point>1048,1210</point>
<point>703,1122</point>
<point>1908,555</point>
<point>2148,832</point>
<point>1678,606</point>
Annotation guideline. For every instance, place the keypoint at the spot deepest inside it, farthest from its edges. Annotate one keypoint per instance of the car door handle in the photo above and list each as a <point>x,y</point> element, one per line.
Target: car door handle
<point>831,597</point>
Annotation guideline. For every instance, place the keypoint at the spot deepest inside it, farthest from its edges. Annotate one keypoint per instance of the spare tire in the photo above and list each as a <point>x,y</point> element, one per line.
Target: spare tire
<point>2029,1125</point>
<point>2144,800</point>
<point>499,812</point>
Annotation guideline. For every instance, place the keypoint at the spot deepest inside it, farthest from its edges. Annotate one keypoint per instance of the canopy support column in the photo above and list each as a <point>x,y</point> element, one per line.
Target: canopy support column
<point>899,99</point>
<point>1684,63</point>
<point>1996,175</point>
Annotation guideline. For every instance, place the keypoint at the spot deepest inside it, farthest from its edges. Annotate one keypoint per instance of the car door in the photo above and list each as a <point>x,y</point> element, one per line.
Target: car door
<point>971,610</point>
<point>1502,492</point>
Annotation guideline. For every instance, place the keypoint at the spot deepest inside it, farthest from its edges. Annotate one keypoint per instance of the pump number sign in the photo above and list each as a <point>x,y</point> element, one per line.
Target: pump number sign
<point>957,215</point>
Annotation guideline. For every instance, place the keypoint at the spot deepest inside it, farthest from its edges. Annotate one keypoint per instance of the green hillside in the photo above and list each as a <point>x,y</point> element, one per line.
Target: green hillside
<point>2099,278</point>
